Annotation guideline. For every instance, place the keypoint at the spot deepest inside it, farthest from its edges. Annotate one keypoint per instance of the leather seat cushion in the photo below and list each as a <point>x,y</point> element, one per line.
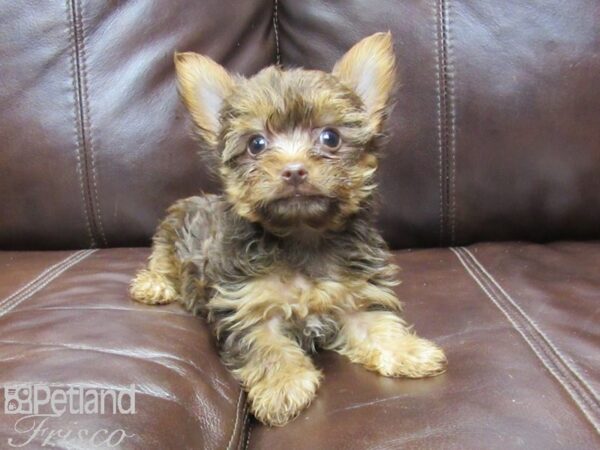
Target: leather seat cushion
<point>518,321</point>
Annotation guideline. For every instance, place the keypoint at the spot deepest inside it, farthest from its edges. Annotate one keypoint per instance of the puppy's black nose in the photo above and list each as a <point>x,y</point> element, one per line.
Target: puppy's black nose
<point>294,174</point>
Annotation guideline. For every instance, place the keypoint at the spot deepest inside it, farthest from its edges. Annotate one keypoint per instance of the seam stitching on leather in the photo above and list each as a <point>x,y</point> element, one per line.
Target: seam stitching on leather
<point>237,418</point>
<point>438,91</point>
<point>35,280</point>
<point>276,31</point>
<point>540,338</point>
<point>249,428</point>
<point>81,119</point>
<point>42,281</point>
<point>550,362</point>
<point>451,73</point>
<point>87,123</point>
<point>556,365</point>
<point>76,123</point>
<point>533,324</point>
<point>446,122</point>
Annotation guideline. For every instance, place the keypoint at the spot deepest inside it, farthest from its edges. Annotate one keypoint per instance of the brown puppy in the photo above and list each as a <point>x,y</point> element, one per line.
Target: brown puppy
<point>288,259</point>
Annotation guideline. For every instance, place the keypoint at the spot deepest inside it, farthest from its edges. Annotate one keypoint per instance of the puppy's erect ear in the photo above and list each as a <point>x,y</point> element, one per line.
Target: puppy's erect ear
<point>203,85</point>
<point>369,69</point>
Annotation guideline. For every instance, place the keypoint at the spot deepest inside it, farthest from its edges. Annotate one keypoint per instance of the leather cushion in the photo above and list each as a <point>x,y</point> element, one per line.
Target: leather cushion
<point>516,320</point>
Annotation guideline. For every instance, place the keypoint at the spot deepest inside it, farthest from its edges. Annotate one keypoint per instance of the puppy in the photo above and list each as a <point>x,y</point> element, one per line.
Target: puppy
<point>288,259</point>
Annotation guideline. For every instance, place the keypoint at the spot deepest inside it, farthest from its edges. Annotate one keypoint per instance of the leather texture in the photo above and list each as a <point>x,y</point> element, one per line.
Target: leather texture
<point>493,134</point>
<point>518,322</point>
<point>72,323</point>
<point>95,143</point>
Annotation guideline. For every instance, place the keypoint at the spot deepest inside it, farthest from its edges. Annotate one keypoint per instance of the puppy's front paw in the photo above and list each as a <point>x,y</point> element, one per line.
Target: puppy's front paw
<point>279,397</point>
<point>410,356</point>
<point>152,288</point>
<point>380,341</point>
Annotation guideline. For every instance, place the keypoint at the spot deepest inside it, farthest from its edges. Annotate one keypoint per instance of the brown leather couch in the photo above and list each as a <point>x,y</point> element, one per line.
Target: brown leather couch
<point>496,138</point>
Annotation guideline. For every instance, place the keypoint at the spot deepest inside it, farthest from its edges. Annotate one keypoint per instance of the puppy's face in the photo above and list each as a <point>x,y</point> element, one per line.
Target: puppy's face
<point>293,147</point>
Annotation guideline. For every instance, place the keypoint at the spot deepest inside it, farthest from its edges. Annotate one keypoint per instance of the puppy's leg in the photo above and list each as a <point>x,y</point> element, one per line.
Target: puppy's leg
<point>280,378</point>
<point>157,283</point>
<point>381,341</point>
<point>178,239</point>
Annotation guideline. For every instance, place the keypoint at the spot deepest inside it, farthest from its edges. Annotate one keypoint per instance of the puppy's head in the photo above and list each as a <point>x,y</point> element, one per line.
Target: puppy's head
<point>293,147</point>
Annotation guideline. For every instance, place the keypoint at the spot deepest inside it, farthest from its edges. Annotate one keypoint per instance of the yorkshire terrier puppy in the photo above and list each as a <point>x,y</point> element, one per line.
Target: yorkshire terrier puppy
<point>288,259</point>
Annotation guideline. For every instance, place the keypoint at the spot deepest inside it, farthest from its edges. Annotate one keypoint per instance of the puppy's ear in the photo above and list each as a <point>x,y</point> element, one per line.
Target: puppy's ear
<point>369,69</point>
<point>203,85</point>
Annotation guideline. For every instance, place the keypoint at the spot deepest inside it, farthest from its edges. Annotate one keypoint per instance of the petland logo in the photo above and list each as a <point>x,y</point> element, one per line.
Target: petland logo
<point>39,404</point>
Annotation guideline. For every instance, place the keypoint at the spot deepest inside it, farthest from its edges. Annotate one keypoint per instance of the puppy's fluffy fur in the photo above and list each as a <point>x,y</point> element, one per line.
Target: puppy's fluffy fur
<point>288,260</point>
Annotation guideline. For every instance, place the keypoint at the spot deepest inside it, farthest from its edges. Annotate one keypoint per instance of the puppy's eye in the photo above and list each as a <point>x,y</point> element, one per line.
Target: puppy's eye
<point>330,139</point>
<point>256,144</point>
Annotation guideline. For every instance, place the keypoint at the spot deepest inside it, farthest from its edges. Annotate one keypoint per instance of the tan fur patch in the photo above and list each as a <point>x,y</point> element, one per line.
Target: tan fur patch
<point>369,69</point>
<point>203,85</point>
<point>288,295</point>
<point>280,378</point>
<point>153,288</point>
<point>381,341</point>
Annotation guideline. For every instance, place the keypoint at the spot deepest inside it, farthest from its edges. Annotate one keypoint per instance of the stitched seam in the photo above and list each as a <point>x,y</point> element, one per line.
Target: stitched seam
<point>439,110</point>
<point>580,398</point>
<point>28,285</point>
<point>563,359</point>
<point>35,280</point>
<point>88,124</point>
<point>552,363</point>
<point>446,121</point>
<point>237,418</point>
<point>451,117</point>
<point>526,327</point>
<point>249,427</point>
<point>44,281</point>
<point>584,407</point>
<point>81,116</point>
<point>276,31</point>
<point>77,123</point>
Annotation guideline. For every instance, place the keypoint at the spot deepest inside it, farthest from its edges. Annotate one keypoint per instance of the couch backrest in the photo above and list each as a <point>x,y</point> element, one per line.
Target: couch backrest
<point>496,132</point>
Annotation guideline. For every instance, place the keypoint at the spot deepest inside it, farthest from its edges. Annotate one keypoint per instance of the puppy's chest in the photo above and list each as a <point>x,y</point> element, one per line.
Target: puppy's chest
<point>296,296</point>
